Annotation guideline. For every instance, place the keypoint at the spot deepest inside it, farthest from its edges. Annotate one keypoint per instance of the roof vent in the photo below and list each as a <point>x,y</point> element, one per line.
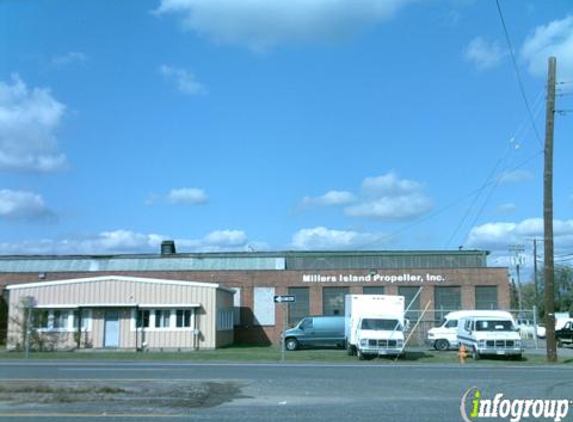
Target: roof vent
<point>168,247</point>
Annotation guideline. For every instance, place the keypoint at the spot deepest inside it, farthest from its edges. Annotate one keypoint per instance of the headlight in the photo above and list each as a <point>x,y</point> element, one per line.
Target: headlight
<point>517,343</point>
<point>481,343</point>
<point>399,343</point>
<point>364,342</point>
<point>431,336</point>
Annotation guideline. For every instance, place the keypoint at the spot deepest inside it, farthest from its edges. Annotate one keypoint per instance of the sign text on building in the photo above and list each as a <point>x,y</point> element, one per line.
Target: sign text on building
<point>368,278</point>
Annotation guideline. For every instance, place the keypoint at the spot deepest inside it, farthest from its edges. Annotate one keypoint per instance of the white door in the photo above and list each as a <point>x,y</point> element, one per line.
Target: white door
<point>111,328</point>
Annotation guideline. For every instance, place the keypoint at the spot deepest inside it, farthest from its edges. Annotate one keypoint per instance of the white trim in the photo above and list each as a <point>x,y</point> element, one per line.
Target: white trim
<point>116,278</point>
<point>168,305</point>
<point>58,306</point>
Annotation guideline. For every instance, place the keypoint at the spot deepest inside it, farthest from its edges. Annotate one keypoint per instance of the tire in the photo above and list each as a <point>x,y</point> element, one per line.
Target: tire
<point>442,345</point>
<point>350,349</point>
<point>291,344</point>
<point>559,343</point>
<point>475,353</point>
<point>360,354</point>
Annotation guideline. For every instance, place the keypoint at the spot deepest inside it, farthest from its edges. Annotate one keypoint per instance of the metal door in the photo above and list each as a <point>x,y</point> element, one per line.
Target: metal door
<point>111,328</point>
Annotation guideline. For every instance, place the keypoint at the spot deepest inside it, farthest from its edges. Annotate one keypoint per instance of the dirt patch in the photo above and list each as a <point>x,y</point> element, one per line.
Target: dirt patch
<point>147,396</point>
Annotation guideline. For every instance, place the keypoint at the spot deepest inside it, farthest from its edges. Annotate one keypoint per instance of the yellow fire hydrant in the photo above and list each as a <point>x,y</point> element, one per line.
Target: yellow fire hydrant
<point>463,353</point>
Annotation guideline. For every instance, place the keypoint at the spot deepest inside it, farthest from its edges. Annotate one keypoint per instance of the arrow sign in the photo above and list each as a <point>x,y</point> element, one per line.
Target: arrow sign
<point>284,299</point>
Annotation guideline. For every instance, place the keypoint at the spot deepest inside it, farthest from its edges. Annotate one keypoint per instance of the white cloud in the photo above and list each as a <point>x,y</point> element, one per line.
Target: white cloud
<point>508,208</point>
<point>553,39</point>
<point>323,238</point>
<point>191,196</point>
<point>263,24</point>
<point>498,236</point>
<point>184,81</point>
<point>331,198</point>
<point>68,58</point>
<point>29,119</point>
<point>485,55</point>
<point>390,198</point>
<point>180,196</point>
<point>23,205</point>
<point>226,238</point>
<point>516,176</point>
<point>126,241</point>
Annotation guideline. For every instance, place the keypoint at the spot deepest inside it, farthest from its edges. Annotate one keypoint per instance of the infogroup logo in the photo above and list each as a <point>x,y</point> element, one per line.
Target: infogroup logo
<point>474,407</point>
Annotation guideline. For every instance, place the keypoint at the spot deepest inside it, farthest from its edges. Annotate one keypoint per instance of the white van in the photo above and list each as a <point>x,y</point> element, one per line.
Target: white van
<point>494,334</point>
<point>445,336</point>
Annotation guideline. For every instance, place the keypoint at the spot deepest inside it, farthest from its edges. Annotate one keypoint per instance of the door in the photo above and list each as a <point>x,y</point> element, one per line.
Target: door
<point>111,328</point>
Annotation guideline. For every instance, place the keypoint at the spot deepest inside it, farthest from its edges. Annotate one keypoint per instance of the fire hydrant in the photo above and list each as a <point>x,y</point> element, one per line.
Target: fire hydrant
<point>463,353</point>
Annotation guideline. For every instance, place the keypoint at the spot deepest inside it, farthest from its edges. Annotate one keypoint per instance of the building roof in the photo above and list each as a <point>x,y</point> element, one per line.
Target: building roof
<point>214,261</point>
<point>116,278</point>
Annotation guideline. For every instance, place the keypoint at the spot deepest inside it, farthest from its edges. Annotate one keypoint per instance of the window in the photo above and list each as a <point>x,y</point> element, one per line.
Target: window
<point>452,323</point>
<point>225,319</point>
<point>494,325</point>
<point>52,319</point>
<point>60,319</point>
<point>409,293</point>
<point>143,318</point>
<point>86,317</point>
<point>447,299</point>
<point>486,297</point>
<point>301,307</point>
<point>41,318</point>
<point>373,290</point>
<point>162,317</point>
<point>333,300</point>
<point>183,318</point>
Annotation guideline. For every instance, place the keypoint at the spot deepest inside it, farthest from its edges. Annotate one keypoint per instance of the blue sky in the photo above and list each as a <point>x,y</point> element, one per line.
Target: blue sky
<point>275,125</point>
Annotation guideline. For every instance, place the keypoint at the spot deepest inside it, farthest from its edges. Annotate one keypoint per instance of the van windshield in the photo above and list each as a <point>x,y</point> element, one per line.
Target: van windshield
<point>381,324</point>
<point>494,325</point>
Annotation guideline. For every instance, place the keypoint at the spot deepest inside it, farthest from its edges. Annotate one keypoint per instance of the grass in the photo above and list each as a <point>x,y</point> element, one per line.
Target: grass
<point>241,353</point>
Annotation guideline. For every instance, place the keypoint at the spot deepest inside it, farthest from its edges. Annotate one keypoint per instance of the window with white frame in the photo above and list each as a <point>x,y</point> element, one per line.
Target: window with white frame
<point>225,319</point>
<point>86,319</point>
<point>53,319</point>
<point>162,318</point>
<point>183,318</point>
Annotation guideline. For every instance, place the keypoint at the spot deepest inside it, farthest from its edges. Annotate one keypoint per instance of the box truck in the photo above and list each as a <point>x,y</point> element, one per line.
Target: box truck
<point>374,325</point>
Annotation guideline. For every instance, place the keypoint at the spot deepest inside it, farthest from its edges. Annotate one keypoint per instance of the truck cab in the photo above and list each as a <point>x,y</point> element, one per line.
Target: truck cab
<point>378,336</point>
<point>564,335</point>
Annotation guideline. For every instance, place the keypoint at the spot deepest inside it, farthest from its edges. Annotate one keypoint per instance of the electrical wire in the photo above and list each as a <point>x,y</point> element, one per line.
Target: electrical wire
<point>517,74</point>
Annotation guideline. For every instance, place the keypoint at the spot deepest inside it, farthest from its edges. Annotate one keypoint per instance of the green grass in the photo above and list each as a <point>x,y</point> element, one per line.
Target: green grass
<point>247,354</point>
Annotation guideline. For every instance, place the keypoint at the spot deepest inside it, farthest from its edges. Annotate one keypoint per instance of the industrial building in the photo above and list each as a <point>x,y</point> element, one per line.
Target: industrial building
<point>120,312</point>
<point>433,282</point>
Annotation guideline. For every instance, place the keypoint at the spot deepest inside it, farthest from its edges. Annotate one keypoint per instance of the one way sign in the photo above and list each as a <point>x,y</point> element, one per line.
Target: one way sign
<point>284,299</point>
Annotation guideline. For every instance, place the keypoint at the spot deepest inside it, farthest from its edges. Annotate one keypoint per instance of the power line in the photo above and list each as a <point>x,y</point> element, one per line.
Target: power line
<point>517,74</point>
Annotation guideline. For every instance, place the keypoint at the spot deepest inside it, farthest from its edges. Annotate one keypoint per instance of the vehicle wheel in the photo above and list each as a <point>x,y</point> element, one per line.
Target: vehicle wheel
<point>559,343</point>
<point>360,354</point>
<point>475,353</point>
<point>291,344</point>
<point>442,345</point>
<point>350,349</point>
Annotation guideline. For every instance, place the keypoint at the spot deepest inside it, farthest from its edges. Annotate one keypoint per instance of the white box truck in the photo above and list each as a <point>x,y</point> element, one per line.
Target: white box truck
<point>374,325</point>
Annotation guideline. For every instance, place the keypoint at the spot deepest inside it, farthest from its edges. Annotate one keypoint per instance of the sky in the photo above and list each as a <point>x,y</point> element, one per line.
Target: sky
<point>237,125</point>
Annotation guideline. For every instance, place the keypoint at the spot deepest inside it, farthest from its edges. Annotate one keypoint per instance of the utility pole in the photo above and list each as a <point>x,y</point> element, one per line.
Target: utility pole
<point>548,260</point>
<point>518,260</point>
<point>535,286</point>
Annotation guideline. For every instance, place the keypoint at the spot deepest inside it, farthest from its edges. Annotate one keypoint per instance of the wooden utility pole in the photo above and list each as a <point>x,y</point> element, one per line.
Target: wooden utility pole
<point>548,263</point>
<point>535,277</point>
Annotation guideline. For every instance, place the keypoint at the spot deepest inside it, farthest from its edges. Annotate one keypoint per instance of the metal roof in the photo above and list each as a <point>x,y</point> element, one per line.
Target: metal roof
<point>217,261</point>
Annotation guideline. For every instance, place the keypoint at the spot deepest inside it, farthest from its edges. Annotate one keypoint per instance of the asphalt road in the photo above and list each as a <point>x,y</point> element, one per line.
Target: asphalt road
<point>274,392</point>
